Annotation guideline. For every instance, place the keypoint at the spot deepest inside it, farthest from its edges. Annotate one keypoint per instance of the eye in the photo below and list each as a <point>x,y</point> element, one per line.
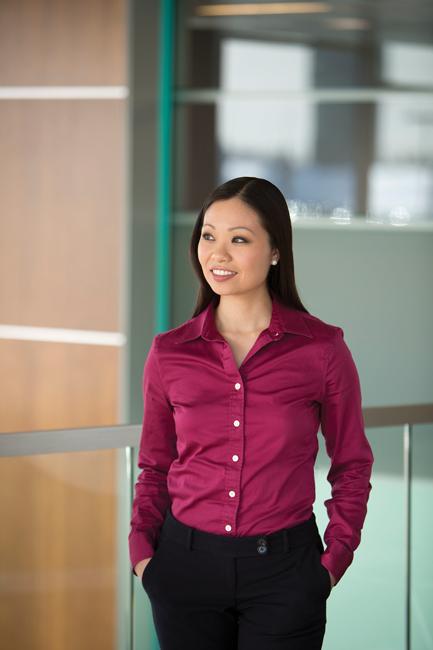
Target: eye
<point>205,234</point>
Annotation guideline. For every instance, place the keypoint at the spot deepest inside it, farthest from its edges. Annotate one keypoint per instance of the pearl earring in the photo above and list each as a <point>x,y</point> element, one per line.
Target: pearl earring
<point>274,262</point>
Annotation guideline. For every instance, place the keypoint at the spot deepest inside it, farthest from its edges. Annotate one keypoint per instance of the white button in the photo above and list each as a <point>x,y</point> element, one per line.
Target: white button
<point>235,457</point>
<point>228,527</point>
<point>237,386</point>
<point>236,423</point>
<point>232,493</point>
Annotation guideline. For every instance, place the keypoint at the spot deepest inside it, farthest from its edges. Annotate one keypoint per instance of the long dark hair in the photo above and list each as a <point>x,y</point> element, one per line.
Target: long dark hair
<point>271,207</point>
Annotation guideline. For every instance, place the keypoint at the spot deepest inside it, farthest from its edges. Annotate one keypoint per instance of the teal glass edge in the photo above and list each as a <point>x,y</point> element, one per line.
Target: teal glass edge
<point>163,234</point>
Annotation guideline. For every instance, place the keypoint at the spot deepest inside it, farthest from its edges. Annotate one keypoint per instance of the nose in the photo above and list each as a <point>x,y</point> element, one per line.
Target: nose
<point>219,260</point>
<point>220,253</point>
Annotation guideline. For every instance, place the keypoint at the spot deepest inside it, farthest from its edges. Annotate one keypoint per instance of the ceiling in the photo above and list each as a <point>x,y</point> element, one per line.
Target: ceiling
<point>349,23</point>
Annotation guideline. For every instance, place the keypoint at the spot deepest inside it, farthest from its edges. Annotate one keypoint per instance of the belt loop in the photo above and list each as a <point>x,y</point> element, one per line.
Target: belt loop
<point>285,536</point>
<point>188,541</point>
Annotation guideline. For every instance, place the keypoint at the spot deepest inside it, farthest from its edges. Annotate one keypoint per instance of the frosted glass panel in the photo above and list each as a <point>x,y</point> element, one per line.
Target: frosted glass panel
<point>356,607</point>
<point>422,539</point>
<point>61,579</point>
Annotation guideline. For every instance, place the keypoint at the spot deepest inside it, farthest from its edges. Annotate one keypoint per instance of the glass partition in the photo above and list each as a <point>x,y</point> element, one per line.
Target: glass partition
<point>64,571</point>
<point>334,157</point>
<point>421,539</point>
<point>334,109</point>
<point>65,576</point>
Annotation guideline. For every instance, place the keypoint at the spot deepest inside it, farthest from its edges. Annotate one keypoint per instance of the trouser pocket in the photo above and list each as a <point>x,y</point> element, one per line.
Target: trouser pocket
<point>150,566</point>
<point>323,572</point>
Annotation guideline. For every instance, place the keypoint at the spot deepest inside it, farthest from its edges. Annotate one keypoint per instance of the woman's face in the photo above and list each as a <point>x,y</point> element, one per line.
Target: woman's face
<point>233,238</point>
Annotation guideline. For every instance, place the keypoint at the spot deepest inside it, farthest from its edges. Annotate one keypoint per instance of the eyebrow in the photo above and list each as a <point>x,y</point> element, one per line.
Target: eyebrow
<point>234,227</point>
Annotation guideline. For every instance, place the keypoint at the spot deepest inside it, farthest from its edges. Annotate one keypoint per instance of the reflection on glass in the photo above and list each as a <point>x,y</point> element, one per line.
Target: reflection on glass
<point>328,159</point>
<point>408,64</point>
<point>59,571</point>
<point>317,103</point>
<point>258,65</point>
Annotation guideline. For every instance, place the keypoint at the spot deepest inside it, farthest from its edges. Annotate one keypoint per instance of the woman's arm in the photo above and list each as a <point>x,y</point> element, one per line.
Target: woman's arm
<point>351,456</point>
<point>156,453</point>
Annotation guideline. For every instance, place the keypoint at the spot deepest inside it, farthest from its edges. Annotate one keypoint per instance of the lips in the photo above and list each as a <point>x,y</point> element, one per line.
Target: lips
<point>222,277</point>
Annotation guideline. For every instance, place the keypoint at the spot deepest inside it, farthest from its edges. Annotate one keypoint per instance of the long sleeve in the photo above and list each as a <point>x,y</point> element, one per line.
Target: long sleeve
<point>156,453</point>
<point>342,426</point>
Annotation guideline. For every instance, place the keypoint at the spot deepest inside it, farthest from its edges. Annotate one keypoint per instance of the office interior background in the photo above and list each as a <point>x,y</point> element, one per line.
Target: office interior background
<point>117,118</point>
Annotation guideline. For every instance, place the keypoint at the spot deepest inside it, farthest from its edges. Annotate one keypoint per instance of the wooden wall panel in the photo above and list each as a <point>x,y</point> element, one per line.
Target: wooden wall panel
<point>56,385</point>
<point>62,223</point>
<point>62,204</point>
<point>61,43</point>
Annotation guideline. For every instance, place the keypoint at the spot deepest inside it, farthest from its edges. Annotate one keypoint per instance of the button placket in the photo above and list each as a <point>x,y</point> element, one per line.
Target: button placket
<point>236,443</point>
<point>236,429</point>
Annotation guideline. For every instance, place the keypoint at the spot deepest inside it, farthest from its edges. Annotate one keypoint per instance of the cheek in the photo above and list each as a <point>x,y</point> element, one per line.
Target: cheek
<point>254,260</point>
<point>200,252</point>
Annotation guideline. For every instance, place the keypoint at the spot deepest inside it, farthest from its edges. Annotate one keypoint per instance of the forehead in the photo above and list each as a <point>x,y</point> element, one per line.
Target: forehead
<point>231,212</point>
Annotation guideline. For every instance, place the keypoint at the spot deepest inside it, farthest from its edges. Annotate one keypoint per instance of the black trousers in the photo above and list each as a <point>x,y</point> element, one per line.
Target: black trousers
<point>259,592</point>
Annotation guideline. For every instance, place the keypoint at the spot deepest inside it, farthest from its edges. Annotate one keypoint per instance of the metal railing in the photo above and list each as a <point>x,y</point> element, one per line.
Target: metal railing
<point>127,437</point>
<point>25,443</point>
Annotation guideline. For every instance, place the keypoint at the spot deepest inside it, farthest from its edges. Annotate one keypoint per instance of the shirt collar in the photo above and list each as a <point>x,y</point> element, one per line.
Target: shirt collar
<point>283,319</point>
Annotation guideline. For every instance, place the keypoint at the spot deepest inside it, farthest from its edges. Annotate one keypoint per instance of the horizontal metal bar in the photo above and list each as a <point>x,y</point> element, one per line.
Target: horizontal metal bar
<point>63,92</point>
<point>390,416</point>
<point>61,335</point>
<point>325,95</point>
<point>25,443</point>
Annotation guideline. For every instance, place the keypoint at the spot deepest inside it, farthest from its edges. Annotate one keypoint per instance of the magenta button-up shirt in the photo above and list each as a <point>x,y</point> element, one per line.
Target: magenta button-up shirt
<point>233,449</point>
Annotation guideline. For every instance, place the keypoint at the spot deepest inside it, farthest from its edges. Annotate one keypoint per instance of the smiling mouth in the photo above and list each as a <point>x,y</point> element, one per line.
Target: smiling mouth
<point>221,274</point>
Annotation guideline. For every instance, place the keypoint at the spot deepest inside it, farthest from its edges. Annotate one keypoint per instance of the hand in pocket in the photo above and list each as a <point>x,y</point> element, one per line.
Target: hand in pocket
<point>140,566</point>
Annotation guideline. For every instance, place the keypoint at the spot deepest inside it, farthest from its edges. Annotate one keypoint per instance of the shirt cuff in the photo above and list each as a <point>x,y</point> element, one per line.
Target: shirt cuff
<point>139,549</point>
<point>337,558</point>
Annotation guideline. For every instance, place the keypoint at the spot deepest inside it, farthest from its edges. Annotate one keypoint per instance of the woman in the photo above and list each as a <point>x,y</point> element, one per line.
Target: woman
<point>223,534</point>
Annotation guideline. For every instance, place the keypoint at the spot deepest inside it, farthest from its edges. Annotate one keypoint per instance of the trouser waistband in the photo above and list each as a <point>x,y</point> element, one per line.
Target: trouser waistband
<point>248,545</point>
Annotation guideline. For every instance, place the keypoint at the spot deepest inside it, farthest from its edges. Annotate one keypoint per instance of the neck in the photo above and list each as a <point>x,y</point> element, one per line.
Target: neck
<point>244,313</point>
